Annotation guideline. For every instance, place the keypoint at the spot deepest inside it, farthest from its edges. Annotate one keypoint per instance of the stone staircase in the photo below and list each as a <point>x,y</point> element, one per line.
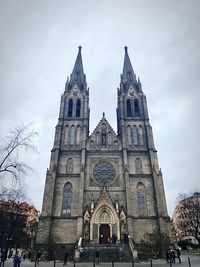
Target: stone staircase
<point>108,252</point>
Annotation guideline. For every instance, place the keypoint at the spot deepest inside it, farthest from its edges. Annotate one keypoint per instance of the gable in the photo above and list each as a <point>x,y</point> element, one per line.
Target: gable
<point>103,137</point>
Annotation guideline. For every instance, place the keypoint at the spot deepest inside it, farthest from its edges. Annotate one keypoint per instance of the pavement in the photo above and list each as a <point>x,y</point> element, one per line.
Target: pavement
<point>194,262</point>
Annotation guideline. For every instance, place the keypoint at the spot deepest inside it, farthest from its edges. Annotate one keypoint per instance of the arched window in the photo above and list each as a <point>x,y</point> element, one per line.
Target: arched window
<point>66,134</point>
<point>128,106</point>
<point>140,135</point>
<point>129,139</point>
<point>135,136</point>
<point>78,135</point>
<point>72,135</point>
<point>67,198</point>
<point>98,138</point>
<point>136,108</point>
<point>138,166</point>
<point>141,199</point>
<point>109,138</point>
<point>78,108</point>
<point>69,167</point>
<point>70,108</point>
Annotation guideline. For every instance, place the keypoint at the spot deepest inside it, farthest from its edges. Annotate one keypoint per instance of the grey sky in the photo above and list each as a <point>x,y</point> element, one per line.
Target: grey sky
<point>38,48</point>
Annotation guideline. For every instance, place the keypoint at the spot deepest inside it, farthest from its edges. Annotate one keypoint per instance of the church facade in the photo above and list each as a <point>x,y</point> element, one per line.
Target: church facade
<point>102,184</point>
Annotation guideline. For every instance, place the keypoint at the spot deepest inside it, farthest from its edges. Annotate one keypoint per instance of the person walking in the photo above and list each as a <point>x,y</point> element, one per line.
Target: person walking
<point>65,257</point>
<point>97,256</point>
<point>3,258</point>
<point>16,261</point>
<point>178,252</point>
<point>39,254</point>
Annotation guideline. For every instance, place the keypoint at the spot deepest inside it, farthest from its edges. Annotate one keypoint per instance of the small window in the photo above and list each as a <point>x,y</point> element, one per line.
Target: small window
<point>138,166</point>
<point>70,108</point>
<point>69,167</point>
<point>72,135</point>
<point>135,136</point>
<point>141,199</point>
<point>136,106</point>
<point>128,106</point>
<point>67,198</point>
<point>78,108</point>
<point>141,135</point>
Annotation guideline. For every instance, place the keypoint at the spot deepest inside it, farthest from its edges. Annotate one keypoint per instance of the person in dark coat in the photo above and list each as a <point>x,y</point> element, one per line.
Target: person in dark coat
<point>16,261</point>
<point>39,254</point>
<point>167,254</point>
<point>97,256</point>
<point>65,257</point>
<point>3,258</point>
<point>178,252</point>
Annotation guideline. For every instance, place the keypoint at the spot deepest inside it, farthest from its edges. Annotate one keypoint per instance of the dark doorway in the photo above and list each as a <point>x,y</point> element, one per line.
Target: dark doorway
<point>104,233</point>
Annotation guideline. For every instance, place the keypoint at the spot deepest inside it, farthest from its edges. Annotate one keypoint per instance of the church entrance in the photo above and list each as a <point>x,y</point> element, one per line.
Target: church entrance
<point>104,233</point>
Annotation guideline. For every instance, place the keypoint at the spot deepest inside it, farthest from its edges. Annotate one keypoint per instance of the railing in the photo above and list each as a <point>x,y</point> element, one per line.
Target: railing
<point>132,247</point>
<point>79,248</point>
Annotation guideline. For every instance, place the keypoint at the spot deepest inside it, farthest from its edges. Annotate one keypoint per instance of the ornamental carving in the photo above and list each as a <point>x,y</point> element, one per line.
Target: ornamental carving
<point>104,172</point>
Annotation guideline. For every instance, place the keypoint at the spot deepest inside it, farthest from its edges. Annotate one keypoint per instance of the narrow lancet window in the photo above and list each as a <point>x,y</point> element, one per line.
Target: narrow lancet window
<point>135,136</point>
<point>138,166</point>
<point>141,135</point>
<point>72,135</point>
<point>70,108</point>
<point>78,108</point>
<point>141,199</point>
<point>128,106</point>
<point>67,198</point>
<point>69,167</point>
<point>136,107</point>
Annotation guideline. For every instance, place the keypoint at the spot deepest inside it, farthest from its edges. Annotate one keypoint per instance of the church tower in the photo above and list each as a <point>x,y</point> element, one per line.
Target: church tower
<point>103,186</point>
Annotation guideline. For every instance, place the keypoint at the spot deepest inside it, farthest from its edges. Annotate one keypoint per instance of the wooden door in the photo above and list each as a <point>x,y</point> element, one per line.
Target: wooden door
<point>104,233</point>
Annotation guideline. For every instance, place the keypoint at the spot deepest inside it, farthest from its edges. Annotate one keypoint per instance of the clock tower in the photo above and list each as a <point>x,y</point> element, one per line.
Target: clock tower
<point>102,186</point>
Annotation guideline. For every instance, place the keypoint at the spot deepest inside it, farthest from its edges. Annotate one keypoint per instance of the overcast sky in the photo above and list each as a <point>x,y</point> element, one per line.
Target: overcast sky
<point>38,48</point>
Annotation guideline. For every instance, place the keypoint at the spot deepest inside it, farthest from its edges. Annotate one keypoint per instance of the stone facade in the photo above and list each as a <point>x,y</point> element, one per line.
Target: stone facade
<point>105,183</point>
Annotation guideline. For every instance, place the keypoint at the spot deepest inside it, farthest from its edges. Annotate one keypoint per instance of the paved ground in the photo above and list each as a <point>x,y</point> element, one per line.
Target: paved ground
<point>195,262</point>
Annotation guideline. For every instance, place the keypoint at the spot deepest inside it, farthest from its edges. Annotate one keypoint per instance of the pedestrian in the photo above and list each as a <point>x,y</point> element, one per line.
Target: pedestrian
<point>39,254</point>
<point>3,258</point>
<point>178,252</point>
<point>97,256</point>
<point>16,261</point>
<point>173,256</point>
<point>65,257</point>
<point>167,254</point>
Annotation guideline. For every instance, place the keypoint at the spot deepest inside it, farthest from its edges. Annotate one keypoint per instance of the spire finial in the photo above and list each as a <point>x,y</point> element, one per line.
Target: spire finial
<point>79,48</point>
<point>103,114</point>
<point>126,48</point>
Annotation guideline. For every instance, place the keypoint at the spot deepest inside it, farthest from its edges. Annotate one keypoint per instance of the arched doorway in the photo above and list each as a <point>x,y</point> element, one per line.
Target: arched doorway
<point>104,233</point>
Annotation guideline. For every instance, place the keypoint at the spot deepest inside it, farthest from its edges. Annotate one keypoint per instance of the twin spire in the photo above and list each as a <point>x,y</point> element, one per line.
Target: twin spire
<point>78,77</point>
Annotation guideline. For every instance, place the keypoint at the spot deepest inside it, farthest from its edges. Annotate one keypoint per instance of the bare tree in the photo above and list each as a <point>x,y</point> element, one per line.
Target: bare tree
<point>20,140</point>
<point>188,216</point>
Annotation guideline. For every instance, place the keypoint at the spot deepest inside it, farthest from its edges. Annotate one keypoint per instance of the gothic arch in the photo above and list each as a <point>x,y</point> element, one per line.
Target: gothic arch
<point>78,108</point>
<point>138,166</point>
<point>140,136</point>
<point>136,108</point>
<point>129,138</point>
<point>104,207</point>
<point>67,198</point>
<point>69,167</point>
<point>129,108</point>
<point>135,135</point>
<point>141,199</point>
<point>78,135</point>
<point>72,135</point>
<point>70,108</point>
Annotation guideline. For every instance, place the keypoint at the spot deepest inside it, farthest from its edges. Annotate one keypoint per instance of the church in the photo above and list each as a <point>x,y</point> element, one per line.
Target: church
<point>102,184</point>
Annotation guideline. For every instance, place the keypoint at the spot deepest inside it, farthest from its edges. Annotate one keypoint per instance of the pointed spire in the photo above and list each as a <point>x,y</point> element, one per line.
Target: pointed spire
<point>128,75</point>
<point>78,76</point>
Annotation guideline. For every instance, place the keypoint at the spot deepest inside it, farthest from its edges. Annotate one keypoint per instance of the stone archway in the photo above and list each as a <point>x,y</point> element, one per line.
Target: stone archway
<point>104,221</point>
